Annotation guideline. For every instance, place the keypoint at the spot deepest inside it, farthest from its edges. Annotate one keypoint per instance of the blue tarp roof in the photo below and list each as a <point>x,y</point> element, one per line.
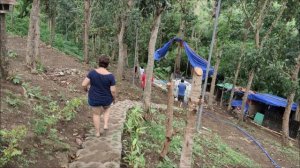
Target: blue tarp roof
<point>271,100</point>
<point>265,98</point>
<point>194,59</point>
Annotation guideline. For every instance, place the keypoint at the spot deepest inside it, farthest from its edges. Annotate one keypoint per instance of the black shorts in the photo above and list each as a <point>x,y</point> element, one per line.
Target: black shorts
<point>180,98</point>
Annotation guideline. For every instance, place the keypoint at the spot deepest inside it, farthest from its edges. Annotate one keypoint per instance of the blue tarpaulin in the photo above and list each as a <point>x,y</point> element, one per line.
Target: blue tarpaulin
<point>268,99</point>
<point>271,100</point>
<point>194,59</point>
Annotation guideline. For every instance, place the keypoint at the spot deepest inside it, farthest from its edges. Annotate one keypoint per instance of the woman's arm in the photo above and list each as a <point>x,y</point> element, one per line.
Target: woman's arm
<point>85,84</point>
<point>113,92</point>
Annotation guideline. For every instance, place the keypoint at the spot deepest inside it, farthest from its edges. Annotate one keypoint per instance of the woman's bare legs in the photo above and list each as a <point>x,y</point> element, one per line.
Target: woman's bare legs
<point>96,120</point>
<point>106,117</point>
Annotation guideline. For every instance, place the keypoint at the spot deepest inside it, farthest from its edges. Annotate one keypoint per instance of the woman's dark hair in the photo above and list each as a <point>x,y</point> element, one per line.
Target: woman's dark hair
<point>103,61</point>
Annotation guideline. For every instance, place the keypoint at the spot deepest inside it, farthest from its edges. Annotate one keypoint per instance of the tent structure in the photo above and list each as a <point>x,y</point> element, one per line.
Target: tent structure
<point>271,100</point>
<point>194,59</point>
<point>267,99</point>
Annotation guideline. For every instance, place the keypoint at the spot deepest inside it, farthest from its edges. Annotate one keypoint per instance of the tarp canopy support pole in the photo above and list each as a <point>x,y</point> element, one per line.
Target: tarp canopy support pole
<point>200,109</point>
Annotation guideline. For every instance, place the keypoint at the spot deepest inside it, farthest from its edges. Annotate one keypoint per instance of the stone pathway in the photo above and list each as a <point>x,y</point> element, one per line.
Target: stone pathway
<point>105,152</point>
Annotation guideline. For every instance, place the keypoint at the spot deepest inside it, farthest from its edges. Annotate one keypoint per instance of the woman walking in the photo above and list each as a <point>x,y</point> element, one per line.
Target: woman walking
<point>100,85</point>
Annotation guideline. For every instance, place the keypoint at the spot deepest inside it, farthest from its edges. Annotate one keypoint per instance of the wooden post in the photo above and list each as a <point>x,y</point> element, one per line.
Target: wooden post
<point>169,119</point>
<point>187,147</point>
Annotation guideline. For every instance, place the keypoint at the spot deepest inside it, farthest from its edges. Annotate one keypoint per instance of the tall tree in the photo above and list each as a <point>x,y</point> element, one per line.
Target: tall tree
<point>290,100</point>
<point>33,57</point>
<point>259,45</point>
<point>169,119</point>
<point>3,51</point>
<point>151,48</point>
<point>87,15</point>
<point>123,22</point>
<point>51,13</point>
<point>214,78</point>
<point>180,34</point>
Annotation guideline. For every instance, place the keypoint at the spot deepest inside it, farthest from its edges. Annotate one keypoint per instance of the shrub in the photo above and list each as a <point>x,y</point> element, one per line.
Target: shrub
<point>9,140</point>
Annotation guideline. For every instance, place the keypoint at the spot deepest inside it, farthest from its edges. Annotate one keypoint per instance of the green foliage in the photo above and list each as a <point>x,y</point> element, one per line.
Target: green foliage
<point>42,126</point>
<point>219,153</point>
<point>15,79</point>
<point>9,140</point>
<point>12,54</point>
<point>39,110</point>
<point>54,141</point>
<point>13,101</point>
<point>133,126</point>
<point>70,110</point>
<point>32,91</point>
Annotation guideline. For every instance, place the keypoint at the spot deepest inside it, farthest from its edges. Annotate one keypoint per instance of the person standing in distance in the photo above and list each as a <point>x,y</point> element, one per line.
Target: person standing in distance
<point>181,92</point>
<point>142,70</point>
<point>100,85</point>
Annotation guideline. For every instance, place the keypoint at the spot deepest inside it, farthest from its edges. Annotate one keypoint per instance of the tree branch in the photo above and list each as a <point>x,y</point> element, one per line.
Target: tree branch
<point>247,14</point>
<point>283,7</point>
<point>259,23</point>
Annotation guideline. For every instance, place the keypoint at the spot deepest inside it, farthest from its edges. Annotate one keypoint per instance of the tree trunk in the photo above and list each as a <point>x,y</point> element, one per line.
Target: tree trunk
<point>136,53</point>
<point>94,45</point>
<point>12,16</point>
<point>52,30</point>
<point>32,54</point>
<point>236,74</point>
<point>187,146</point>
<point>3,50</point>
<point>125,59</point>
<point>178,56</point>
<point>121,57</point>
<point>149,70</point>
<point>287,111</point>
<point>86,30</point>
<point>245,97</point>
<point>125,54</point>
<point>297,114</point>
<point>222,95</point>
<point>213,81</point>
<point>169,119</point>
<point>121,51</point>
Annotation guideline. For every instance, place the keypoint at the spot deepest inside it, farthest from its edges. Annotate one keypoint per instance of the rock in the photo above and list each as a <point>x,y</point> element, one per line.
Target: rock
<point>78,141</point>
<point>36,145</point>
<point>62,159</point>
<point>75,134</point>
<point>61,73</point>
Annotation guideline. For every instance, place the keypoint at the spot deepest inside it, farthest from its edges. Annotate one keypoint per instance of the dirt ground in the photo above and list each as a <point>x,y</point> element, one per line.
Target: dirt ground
<point>68,86</point>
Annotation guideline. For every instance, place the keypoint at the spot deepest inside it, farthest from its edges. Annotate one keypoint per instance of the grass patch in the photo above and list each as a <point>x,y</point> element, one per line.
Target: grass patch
<point>9,144</point>
<point>291,153</point>
<point>208,150</point>
<point>20,27</point>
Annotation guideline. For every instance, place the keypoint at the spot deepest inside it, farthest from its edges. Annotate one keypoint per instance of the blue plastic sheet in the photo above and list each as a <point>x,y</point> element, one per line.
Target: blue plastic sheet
<point>194,59</point>
<point>265,98</point>
<point>238,103</point>
<point>271,100</point>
